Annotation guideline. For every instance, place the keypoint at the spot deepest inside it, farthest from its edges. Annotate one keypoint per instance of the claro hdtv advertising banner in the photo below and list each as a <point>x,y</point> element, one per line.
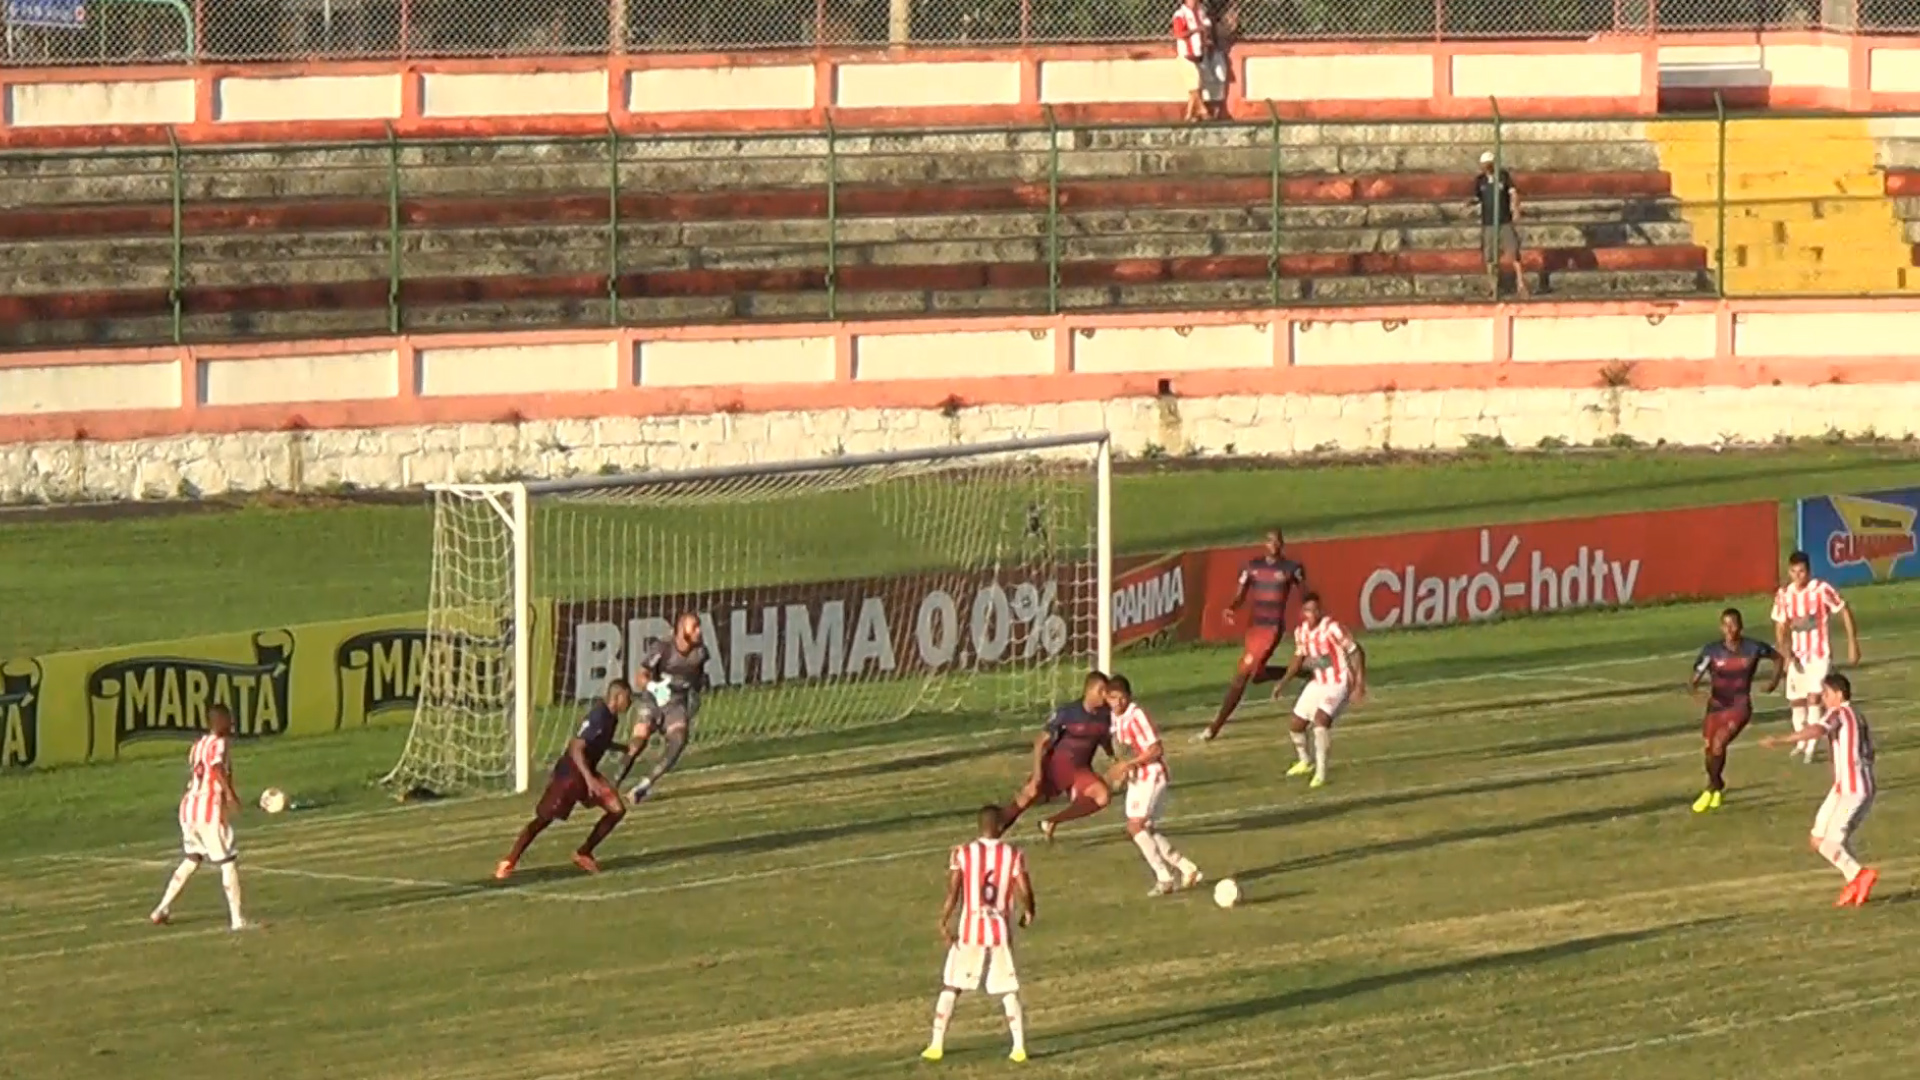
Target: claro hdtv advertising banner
<point>64,708</point>
<point>1454,576</point>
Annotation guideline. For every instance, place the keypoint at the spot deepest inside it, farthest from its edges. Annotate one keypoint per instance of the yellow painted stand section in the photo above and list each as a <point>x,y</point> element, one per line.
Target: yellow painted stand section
<point>1807,211</point>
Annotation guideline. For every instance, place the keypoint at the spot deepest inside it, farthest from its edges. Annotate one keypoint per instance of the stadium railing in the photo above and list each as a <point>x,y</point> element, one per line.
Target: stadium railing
<point>73,32</point>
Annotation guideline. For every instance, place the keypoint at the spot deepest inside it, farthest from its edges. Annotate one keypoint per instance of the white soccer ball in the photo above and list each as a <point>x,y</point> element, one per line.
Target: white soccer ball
<point>1226,893</point>
<point>273,800</point>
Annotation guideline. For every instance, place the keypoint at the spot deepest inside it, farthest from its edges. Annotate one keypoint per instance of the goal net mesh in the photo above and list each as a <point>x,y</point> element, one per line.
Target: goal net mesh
<point>835,595</point>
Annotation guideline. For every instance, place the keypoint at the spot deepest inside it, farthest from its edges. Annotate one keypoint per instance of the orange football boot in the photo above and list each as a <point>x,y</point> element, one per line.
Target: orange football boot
<point>503,870</point>
<point>585,862</point>
<point>1863,885</point>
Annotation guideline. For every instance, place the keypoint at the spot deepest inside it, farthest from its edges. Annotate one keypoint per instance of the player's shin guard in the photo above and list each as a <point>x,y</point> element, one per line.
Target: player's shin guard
<point>942,1016</point>
<point>1156,861</point>
<point>1300,746</point>
<point>1016,1022</point>
<point>230,884</point>
<point>174,884</point>
<point>1173,858</point>
<point>1842,859</point>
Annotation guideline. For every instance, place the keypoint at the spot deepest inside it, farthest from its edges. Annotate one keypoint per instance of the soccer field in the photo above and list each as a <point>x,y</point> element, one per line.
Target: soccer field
<point>1503,878</point>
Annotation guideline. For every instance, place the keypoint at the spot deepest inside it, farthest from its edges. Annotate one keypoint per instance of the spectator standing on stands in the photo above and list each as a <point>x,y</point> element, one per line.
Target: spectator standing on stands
<point>1499,209</point>
<point>1193,42</point>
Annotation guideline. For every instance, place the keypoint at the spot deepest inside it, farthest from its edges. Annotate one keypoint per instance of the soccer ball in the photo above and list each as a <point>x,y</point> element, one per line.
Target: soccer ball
<point>1226,893</point>
<point>273,800</point>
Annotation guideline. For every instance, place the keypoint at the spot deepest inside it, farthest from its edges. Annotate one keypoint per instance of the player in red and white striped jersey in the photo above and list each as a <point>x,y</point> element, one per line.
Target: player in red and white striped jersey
<point>985,878</point>
<point>1852,794</point>
<point>1339,666</point>
<point>1144,771</point>
<point>206,822</point>
<point>1801,609</point>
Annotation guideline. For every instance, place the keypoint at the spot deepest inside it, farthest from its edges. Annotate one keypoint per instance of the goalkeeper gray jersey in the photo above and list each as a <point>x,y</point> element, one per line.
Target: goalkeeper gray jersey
<point>684,672</point>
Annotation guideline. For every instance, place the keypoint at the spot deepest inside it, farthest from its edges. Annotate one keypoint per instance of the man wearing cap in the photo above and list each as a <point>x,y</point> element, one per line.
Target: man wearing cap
<point>1499,204</point>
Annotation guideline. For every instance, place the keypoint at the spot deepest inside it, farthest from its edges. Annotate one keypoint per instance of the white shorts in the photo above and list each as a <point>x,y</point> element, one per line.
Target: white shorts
<point>1145,798</point>
<point>1840,816</point>
<point>1318,697</point>
<point>982,967</point>
<point>1805,683</point>
<point>212,841</point>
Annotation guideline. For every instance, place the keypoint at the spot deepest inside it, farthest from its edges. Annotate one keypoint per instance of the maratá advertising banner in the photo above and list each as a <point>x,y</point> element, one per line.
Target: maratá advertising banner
<point>73,707</point>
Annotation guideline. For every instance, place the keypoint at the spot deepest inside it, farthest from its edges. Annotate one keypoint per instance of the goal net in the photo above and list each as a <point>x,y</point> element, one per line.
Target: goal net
<point>950,587</point>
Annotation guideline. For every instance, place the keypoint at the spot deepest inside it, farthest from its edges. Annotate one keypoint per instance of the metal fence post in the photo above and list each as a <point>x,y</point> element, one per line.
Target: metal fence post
<point>613,224</point>
<point>393,231</point>
<point>833,222</point>
<point>175,280</point>
<point>1273,239</point>
<point>1720,197</point>
<point>1053,213</point>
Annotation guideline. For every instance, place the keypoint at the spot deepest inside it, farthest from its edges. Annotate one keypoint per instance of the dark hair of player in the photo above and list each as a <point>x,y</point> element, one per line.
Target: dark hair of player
<point>1310,598</point>
<point>1120,683</point>
<point>220,712</point>
<point>1839,682</point>
<point>617,685</point>
<point>990,820</point>
<point>1734,614</point>
<point>1799,558</point>
<point>1095,677</point>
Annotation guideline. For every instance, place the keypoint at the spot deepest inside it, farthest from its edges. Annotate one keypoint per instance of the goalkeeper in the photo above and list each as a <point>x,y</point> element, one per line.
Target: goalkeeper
<point>675,672</point>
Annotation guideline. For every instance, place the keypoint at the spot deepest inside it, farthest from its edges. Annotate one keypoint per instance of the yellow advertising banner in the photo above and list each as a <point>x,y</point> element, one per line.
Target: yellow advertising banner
<point>312,679</point>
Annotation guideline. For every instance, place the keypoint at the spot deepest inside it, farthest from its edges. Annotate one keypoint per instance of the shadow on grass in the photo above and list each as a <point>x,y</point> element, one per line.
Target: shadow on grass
<point>1308,811</point>
<point>1160,1025</point>
<point>1593,816</point>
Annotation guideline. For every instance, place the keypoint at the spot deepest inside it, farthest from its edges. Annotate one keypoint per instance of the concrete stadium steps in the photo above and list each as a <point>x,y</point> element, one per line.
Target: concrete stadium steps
<point>1807,209</point>
<point>298,243</point>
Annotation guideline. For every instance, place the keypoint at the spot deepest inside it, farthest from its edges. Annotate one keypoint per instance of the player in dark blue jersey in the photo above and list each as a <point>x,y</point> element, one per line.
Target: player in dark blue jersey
<point>1063,759</point>
<point>1266,584</point>
<point>1728,667</point>
<point>576,781</point>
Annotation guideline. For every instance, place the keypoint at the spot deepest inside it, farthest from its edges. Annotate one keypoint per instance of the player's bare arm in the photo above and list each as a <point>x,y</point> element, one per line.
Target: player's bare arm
<point>1853,635</point>
<point>1804,735</point>
<point>956,883</point>
<point>1357,656</point>
<point>1287,677</point>
<point>1239,597</point>
<point>577,754</point>
<point>1122,768</point>
<point>1779,672</point>
<point>1783,642</point>
<point>1028,911</point>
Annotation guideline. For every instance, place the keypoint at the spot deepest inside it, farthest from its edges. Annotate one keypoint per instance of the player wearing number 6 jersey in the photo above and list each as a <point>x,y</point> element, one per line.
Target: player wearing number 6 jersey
<point>1800,613</point>
<point>1144,772</point>
<point>1847,803</point>
<point>206,818</point>
<point>985,878</point>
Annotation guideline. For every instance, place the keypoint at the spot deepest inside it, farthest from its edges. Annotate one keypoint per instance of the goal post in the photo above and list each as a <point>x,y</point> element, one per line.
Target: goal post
<point>960,585</point>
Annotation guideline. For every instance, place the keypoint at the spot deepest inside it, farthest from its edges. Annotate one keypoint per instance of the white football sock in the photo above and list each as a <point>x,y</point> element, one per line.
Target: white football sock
<point>942,1016</point>
<point>179,881</point>
<point>1322,739</point>
<point>1841,858</point>
<point>1300,746</point>
<point>1151,852</point>
<point>230,883</point>
<point>1804,717</point>
<point>1016,1021</point>
<point>1173,857</point>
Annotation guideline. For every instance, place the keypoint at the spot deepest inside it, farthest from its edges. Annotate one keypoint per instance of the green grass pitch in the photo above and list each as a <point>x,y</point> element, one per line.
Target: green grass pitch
<point>1503,878</point>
